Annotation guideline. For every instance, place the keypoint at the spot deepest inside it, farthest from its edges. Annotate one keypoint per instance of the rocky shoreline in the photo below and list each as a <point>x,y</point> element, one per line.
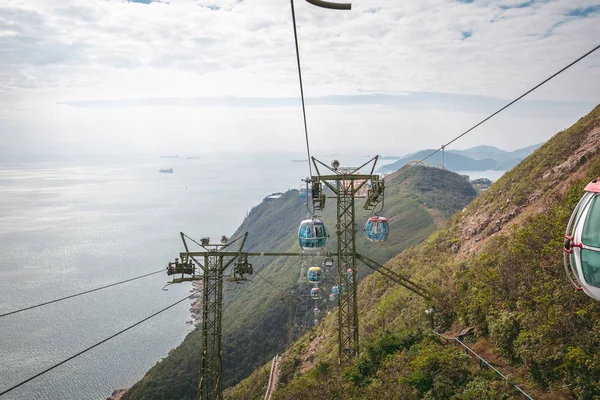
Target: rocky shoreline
<point>196,308</point>
<point>116,395</point>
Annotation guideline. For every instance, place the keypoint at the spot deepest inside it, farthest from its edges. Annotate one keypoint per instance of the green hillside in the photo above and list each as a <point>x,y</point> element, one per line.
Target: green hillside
<point>255,319</point>
<point>495,267</point>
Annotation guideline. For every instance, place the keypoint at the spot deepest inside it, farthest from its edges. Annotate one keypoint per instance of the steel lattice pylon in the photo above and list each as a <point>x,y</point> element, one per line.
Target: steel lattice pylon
<point>212,312</point>
<point>209,266</point>
<point>346,184</point>
<point>347,299</point>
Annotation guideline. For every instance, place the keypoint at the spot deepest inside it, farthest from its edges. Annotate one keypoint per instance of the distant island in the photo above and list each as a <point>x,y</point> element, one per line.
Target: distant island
<point>480,158</point>
<point>299,160</point>
<point>166,171</point>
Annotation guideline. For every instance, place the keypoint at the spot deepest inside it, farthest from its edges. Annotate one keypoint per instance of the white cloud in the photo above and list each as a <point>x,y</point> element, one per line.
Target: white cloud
<point>76,50</point>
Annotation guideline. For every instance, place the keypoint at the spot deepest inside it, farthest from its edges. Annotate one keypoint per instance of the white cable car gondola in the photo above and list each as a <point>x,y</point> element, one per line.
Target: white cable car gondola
<point>312,234</point>
<point>315,293</point>
<point>314,275</point>
<point>332,297</point>
<point>377,229</point>
<point>582,242</point>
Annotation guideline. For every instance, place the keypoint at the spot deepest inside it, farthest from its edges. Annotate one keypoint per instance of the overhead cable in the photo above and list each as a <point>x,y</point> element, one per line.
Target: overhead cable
<point>79,294</point>
<point>301,86</point>
<point>96,345</point>
<point>505,107</point>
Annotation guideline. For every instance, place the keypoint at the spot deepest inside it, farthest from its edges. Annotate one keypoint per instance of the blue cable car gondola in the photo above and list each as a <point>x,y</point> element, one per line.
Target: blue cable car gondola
<point>315,293</point>
<point>582,242</point>
<point>314,275</point>
<point>377,229</point>
<point>312,234</point>
<point>335,289</point>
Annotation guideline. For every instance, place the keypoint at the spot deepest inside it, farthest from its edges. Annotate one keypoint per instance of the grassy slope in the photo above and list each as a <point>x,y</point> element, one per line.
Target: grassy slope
<point>255,319</point>
<point>497,266</point>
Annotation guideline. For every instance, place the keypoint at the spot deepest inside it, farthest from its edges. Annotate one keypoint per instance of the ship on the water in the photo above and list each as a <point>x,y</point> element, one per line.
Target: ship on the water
<point>166,171</point>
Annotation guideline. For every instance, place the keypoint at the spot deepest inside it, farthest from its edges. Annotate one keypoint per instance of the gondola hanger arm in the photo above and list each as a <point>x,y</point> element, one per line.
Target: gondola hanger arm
<point>330,5</point>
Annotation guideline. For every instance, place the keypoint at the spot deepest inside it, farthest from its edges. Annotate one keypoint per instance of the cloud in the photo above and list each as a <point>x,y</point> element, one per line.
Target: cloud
<point>583,11</point>
<point>191,53</point>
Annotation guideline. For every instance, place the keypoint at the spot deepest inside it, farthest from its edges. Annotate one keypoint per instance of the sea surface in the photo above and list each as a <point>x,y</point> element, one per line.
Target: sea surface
<point>70,226</point>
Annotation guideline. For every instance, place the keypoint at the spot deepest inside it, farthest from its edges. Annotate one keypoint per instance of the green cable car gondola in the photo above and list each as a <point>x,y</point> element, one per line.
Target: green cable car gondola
<point>582,242</point>
<point>312,234</point>
<point>314,275</point>
<point>377,229</point>
<point>315,293</point>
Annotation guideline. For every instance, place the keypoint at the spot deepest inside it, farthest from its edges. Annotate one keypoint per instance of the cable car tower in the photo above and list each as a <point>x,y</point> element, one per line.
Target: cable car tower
<point>209,266</point>
<point>345,183</point>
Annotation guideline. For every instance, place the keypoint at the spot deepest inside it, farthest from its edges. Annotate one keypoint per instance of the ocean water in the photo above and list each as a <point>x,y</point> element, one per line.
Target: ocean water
<point>70,226</point>
<point>492,175</point>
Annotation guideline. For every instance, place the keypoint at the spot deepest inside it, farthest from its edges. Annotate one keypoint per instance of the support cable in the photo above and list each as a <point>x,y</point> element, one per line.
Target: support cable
<point>97,344</point>
<point>505,107</point>
<point>271,283</point>
<point>484,362</point>
<point>301,86</point>
<point>80,294</point>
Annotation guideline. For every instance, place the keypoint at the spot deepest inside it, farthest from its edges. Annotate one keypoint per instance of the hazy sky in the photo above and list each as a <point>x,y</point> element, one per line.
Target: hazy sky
<point>193,76</point>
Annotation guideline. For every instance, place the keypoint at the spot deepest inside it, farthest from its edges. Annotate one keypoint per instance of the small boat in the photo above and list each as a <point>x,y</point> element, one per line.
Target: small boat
<point>166,171</point>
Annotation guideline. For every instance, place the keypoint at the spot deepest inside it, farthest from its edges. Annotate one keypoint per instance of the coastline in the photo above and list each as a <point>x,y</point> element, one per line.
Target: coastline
<point>195,319</point>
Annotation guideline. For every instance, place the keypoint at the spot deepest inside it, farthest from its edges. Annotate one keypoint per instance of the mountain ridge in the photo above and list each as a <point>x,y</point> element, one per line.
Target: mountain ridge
<point>496,267</point>
<point>478,158</point>
<point>255,318</point>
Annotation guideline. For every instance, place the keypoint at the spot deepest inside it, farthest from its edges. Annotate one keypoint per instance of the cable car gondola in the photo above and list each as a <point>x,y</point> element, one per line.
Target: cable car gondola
<point>582,242</point>
<point>315,294</point>
<point>312,234</point>
<point>332,297</point>
<point>316,311</point>
<point>335,289</point>
<point>177,267</point>
<point>314,275</point>
<point>377,229</point>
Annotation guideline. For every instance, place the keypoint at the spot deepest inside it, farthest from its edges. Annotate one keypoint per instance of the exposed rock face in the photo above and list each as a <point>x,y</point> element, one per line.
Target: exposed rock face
<point>489,219</point>
<point>116,395</point>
